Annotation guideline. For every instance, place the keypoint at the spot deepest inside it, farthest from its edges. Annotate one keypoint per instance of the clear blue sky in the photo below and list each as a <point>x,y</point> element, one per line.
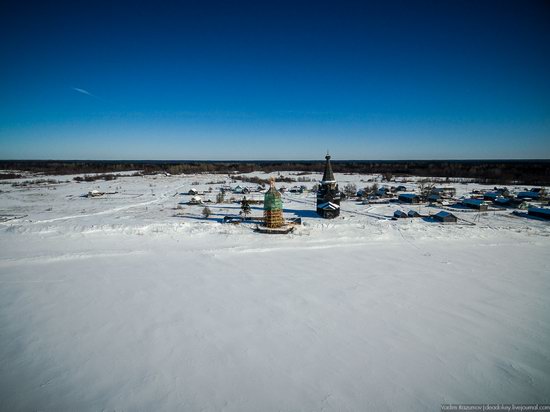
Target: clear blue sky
<point>275,80</point>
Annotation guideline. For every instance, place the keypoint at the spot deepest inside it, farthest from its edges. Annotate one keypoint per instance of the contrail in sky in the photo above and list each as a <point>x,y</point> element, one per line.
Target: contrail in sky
<point>86,92</point>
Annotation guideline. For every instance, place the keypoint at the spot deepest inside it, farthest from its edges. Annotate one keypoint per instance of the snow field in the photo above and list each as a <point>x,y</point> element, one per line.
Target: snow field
<point>116,304</point>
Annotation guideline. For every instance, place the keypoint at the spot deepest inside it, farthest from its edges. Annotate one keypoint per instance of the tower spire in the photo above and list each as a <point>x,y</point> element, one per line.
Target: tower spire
<point>328,195</point>
<point>328,176</point>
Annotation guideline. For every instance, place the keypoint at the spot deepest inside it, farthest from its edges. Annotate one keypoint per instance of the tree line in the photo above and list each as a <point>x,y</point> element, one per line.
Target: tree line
<point>532,172</point>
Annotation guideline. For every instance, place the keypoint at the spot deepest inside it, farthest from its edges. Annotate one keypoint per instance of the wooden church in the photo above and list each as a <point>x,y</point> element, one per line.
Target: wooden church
<point>273,207</point>
<point>274,221</point>
<point>328,195</point>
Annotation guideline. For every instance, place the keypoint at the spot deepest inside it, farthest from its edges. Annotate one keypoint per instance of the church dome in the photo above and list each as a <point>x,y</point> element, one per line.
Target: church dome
<point>272,200</point>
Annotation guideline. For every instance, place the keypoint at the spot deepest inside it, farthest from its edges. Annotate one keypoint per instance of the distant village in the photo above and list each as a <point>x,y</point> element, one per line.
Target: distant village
<point>531,202</point>
<point>410,197</point>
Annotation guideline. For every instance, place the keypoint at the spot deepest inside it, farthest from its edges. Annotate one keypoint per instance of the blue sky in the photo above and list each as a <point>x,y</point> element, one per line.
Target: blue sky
<point>275,80</point>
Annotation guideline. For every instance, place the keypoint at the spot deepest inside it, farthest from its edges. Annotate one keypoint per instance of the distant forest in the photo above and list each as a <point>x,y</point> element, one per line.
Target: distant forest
<point>528,172</point>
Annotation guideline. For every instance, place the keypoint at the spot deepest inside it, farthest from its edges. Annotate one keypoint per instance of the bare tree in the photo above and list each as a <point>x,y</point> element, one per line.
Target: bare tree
<point>425,186</point>
<point>206,212</point>
<point>350,190</point>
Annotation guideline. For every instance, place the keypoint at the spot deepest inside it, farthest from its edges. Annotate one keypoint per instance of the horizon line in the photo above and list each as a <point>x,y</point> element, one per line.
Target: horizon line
<point>282,160</point>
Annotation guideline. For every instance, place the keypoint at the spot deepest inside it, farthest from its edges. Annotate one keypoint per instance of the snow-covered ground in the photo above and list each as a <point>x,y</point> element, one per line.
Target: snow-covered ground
<point>127,302</point>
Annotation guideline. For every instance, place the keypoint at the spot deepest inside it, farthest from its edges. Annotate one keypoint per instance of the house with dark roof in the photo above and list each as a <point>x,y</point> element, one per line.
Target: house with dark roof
<point>528,195</point>
<point>478,204</point>
<point>490,195</point>
<point>399,214</point>
<point>539,212</point>
<point>502,201</point>
<point>409,198</point>
<point>413,213</point>
<point>445,217</point>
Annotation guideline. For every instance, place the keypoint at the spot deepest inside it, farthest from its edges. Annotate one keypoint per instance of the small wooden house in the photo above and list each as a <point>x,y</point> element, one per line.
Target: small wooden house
<point>240,190</point>
<point>195,200</point>
<point>539,212</point>
<point>296,189</point>
<point>478,204</point>
<point>490,195</point>
<point>413,213</point>
<point>409,198</point>
<point>445,217</point>
<point>399,214</point>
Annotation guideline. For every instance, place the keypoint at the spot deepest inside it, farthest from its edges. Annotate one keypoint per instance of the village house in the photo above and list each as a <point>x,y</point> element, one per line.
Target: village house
<point>409,198</point>
<point>539,212</point>
<point>478,204</point>
<point>195,200</point>
<point>239,190</point>
<point>445,217</point>
<point>399,214</point>
<point>413,213</point>
<point>528,195</point>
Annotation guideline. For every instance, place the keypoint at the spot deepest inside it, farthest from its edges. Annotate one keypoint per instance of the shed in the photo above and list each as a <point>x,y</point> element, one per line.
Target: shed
<point>399,214</point>
<point>95,193</point>
<point>409,198</point>
<point>193,192</point>
<point>413,213</point>
<point>195,200</point>
<point>445,217</point>
<point>539,212</point>
<point>296,189</point>
<point>478,204</point>
<point>239,189</point>
<point>383,191</point>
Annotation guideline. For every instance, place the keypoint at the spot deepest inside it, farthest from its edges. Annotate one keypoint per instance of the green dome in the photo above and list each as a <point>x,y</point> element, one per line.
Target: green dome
<point>272,200</point>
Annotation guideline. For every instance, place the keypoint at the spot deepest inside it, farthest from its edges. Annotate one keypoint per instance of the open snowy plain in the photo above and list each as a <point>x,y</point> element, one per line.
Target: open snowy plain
<point>125,302</point>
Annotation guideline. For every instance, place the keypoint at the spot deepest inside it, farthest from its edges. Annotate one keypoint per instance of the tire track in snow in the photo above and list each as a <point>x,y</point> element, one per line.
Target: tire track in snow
<point>161,197</point>
<point>8,262</point>
<point>310,202</point>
